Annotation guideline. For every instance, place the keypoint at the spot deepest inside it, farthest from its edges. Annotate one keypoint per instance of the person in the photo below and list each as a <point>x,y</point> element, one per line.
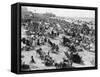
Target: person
<point>32,59</point>
<point>48,60</point>
<point>75,58</point>
<point>38,42</point>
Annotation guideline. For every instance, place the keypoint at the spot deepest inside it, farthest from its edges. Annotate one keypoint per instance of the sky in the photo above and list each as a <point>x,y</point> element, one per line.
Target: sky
<point>63,12</point>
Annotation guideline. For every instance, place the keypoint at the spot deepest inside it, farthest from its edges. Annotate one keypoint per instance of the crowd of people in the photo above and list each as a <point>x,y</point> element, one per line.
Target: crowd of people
<point>56,42</point>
